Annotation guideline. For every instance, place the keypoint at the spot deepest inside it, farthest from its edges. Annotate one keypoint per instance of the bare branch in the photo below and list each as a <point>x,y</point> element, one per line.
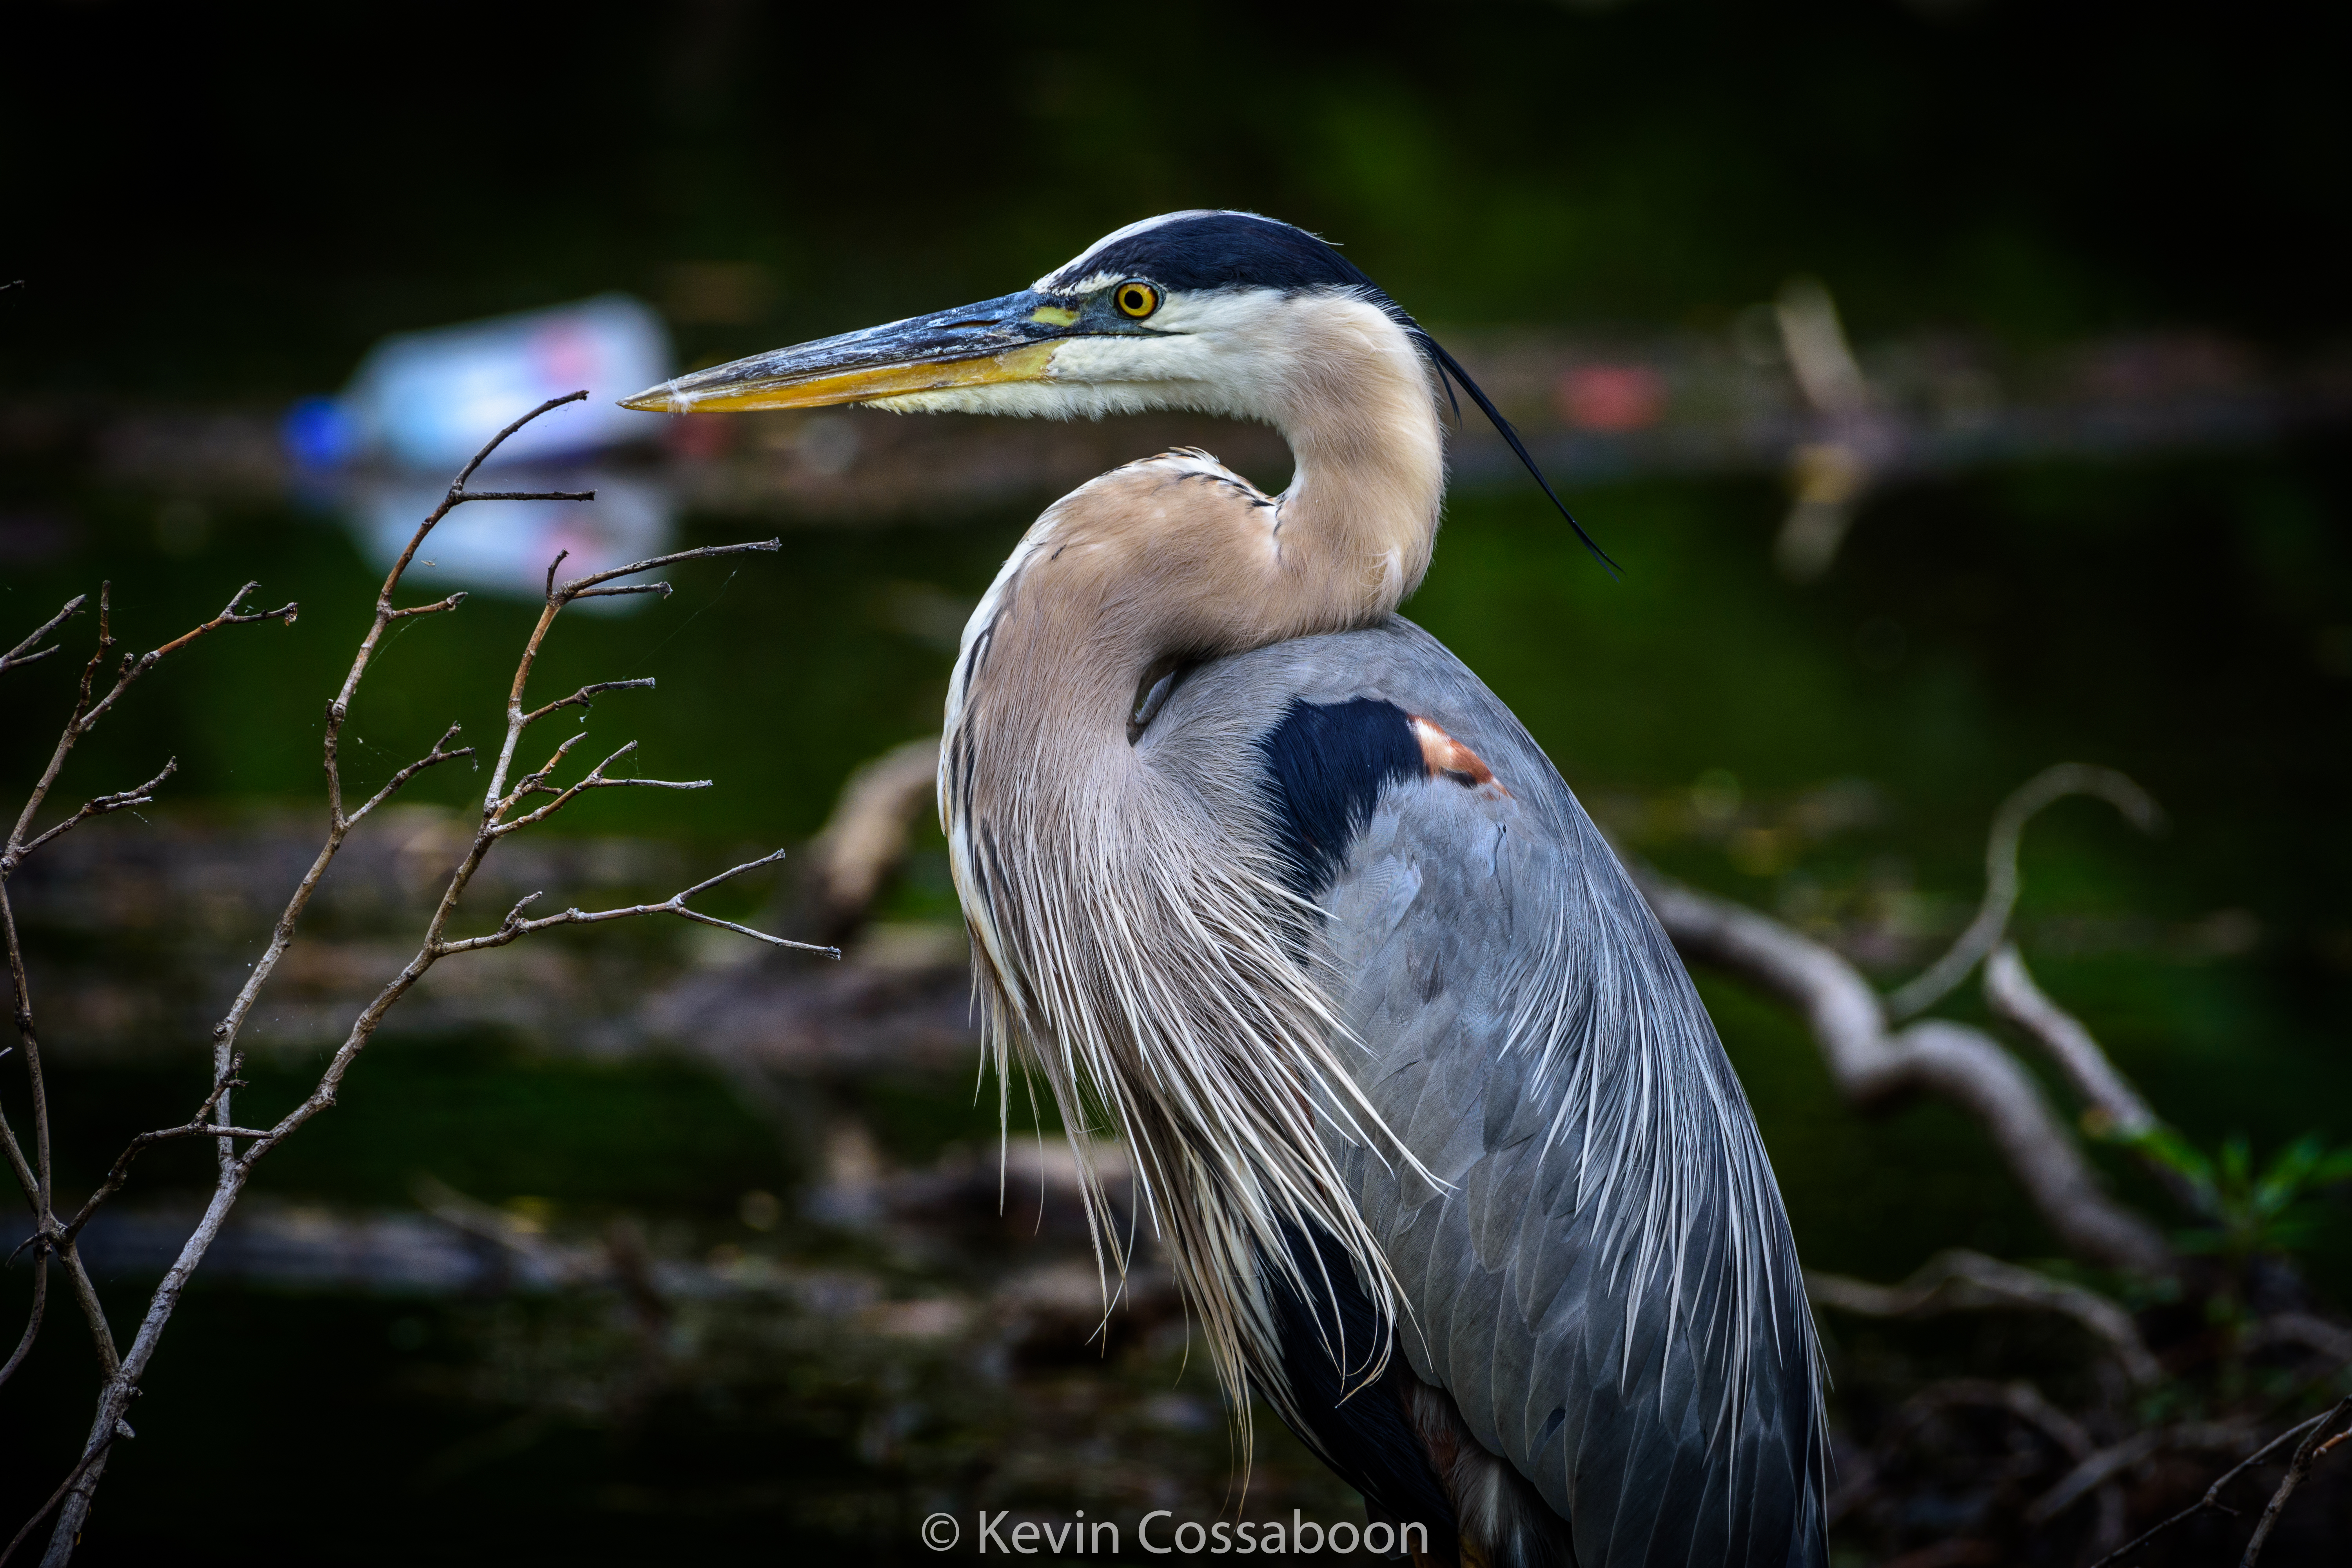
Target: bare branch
<point>2009,989</point>
<point>525,495</point>
<point>121,1429</point>
<point>138,794</point>
<point>1959,1280</point>
<point>230,616</point>
<point>439,754</point>
<point>22,653</point>
<point>2095,1471</point>
<point>32,1323</point>
<point>531,784</point>
<point>495,442</point>
<point>122,1373</point>
<point>2052,784</point>
<point>88,710</point>
<point>434,608</point>
<point>1871,1065</point>
<point>580,698</point>
<point>101,1332</point>
<point>515,926</point>
<point>121,1171</point>
<point>2211,1502</point>
<point>457,495</point>
<point>576,588</point>
<point>2306,1455</point>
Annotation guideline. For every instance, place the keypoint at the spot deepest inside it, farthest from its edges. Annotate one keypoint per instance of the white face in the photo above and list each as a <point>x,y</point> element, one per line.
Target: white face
<point>1232,352</point>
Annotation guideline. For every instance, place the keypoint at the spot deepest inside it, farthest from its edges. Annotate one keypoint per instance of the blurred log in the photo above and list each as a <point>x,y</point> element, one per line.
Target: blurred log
<point>865,839</point>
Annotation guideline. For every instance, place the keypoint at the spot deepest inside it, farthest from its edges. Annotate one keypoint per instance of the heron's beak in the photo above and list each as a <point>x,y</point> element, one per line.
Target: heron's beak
<point>1012,339</point>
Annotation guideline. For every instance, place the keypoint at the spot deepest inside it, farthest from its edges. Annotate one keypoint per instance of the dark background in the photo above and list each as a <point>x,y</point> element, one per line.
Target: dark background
<point>217,208</point>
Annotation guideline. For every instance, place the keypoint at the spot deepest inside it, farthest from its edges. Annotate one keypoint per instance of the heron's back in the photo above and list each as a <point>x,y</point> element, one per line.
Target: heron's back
<point>1606,1286</point>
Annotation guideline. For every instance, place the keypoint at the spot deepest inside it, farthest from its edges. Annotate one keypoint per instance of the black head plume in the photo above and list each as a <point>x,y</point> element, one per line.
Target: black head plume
<point>1450,371</point>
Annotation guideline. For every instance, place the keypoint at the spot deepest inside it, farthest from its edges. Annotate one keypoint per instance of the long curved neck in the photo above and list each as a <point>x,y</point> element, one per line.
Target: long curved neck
<point>1176,556</point>
<point>1352,396</point>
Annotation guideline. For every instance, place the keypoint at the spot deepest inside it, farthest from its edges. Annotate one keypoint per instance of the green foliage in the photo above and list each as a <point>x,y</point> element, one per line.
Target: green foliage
<point>2247,1212</point>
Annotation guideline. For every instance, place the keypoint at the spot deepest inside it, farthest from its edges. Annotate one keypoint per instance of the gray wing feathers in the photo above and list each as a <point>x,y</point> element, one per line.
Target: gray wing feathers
<point>1607,1287</point>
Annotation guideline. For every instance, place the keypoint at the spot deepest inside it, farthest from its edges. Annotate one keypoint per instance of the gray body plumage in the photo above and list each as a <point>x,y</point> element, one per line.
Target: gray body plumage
<point>1606,1286</point>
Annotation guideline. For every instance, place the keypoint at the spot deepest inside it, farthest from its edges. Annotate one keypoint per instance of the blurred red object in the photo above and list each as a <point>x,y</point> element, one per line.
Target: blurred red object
<point>1610,397</point>
<point>698,436</point>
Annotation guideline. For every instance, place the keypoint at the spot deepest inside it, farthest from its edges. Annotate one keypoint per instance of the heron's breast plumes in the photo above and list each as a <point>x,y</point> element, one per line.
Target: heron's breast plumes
<point>1135,942</point>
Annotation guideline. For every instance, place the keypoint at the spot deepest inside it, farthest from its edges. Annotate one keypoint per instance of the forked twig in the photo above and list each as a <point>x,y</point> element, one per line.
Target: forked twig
<point>23,652</point>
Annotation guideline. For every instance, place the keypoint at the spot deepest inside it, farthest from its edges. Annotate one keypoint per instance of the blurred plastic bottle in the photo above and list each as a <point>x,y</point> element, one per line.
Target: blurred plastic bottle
<point>429,400</point>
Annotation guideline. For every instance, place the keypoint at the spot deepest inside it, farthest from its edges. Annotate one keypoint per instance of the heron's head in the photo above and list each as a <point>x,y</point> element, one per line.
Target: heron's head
<point>1199,311</point>
<point>1214,312</point>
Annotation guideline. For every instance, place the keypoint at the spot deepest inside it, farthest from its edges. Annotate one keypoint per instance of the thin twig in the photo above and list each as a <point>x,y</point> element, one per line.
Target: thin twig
<point>121,1429</point>
<point>21,653</point>
<point>138,794</point>
<point>2306,1453</point>
<point>199,1126</point>
<point>580,698</point>
<point>434,608</point>
<point>2095,1471</point>
<point>515,926</point>
<point>2211,1502</point>
<point>230,616</point>
<point>32,1323</point>
<point>577,586</point>
<point>439,754</point>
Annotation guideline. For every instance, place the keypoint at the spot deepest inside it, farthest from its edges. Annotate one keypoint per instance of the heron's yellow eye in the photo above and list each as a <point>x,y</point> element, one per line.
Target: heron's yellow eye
<point>1136,299</point>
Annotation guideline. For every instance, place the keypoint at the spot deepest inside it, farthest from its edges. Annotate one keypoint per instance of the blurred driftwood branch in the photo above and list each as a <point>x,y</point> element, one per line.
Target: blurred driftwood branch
<point>1872,1064</point>
<point>502,814</point>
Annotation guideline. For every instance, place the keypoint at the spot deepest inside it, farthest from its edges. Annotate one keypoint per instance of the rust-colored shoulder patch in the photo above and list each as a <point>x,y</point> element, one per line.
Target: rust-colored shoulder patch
<point>1446,757</point>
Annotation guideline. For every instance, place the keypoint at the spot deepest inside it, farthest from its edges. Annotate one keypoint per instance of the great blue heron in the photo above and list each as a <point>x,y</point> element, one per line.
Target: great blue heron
<point>1440,1141</point>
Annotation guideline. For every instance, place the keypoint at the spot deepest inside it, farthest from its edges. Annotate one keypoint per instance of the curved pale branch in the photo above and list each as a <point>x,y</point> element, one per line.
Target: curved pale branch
<point>1871,1063</point>
<point>2051,784</point>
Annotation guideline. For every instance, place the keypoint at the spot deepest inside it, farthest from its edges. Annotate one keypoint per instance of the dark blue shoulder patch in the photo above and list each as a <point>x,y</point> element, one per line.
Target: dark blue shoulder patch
<point>1324,764</point>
